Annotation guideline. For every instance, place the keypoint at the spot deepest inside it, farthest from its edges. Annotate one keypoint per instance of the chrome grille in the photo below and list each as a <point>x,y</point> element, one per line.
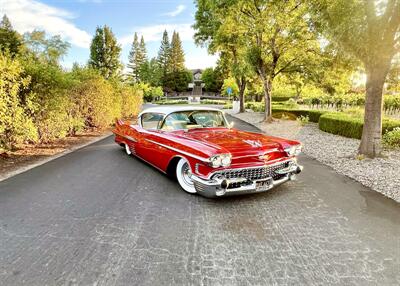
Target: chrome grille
<point>254,173</point>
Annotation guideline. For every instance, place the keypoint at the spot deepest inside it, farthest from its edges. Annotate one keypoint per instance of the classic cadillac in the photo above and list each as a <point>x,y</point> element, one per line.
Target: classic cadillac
<point>207,156</point>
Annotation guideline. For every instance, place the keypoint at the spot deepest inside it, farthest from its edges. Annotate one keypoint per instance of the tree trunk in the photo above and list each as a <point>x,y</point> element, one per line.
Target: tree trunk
<point>370,145</point>
<point>267,99</point>
<point>242,88</point>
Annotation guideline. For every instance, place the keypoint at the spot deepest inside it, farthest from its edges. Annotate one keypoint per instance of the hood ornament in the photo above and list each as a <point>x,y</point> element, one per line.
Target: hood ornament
<point>253,143</point>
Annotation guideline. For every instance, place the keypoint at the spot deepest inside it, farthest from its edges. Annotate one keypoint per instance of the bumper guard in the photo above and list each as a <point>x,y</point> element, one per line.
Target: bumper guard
<point>220,186</point>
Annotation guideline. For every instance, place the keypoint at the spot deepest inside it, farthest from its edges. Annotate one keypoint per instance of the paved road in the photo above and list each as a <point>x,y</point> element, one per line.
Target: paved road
<point>98,217</point>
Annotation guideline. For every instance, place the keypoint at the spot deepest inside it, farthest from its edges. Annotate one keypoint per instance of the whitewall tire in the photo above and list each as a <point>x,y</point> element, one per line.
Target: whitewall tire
<point>127,149</point>
<point>183,174</point>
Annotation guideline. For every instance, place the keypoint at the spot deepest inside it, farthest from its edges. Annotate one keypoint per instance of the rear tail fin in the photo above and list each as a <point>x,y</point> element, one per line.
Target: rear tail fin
<point>118,122</point>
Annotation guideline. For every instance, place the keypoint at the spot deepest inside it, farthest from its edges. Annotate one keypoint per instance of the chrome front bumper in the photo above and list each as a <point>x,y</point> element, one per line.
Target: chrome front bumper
<point>216,187</point>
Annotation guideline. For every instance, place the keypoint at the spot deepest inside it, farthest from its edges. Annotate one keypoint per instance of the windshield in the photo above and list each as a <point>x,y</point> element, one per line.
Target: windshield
<point>193,119</point>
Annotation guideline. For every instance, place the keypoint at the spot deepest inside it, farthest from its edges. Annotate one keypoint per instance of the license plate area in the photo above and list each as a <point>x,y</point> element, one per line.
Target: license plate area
<point>263,185</point>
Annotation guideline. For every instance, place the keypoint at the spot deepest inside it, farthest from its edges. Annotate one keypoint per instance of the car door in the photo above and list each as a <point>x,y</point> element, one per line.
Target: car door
<point>148,131</point>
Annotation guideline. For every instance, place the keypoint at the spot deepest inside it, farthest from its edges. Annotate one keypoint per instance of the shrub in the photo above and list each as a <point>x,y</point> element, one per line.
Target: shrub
<point>228,105</point>
<point>391,102</point>
<point>16,124</point>
<point>171,102</point>
<point>341,124</point>
<point>350,126</point>
<point>49,85</point>
<point>150,92</point>
<point>132,99</point>
<point>303,120</point>
<point>391,139</point>
<point>212,101</point>
<point>280,98</point>
<point>278,109</point>
<point>97,101</point>
<point>313,115</point>
<point>255,106</point>
<point>55,122</point>
<point>291,103</point>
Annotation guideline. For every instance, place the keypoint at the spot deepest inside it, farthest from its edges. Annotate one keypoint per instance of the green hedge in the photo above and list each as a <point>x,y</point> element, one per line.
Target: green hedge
<point>281,98</point>
<point>349,126</point>
<point>213,101</point>
<point>279,108</point>
<point>313,115</point>
<point>171,102</point>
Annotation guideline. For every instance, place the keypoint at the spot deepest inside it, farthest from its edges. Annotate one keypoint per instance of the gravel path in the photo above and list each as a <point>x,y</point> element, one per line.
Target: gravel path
<point>340,153</point>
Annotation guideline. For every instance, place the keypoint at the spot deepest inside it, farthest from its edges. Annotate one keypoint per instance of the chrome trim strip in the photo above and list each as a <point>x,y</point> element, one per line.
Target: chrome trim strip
<point>130,138</point>
<point>126,137</point>
<point>257,155</point>
<point>206,160</point>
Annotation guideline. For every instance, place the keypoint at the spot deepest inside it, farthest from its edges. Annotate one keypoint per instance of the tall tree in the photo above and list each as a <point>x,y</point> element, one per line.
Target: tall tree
<point>137,58</point>
<point>143,51</point>
<point>212,79</point>
<point>370,31</point>
<point>164,54</point>
<point>142,61</point>
<point>215,28</point>
<point>10,40</point>
<point>280,40</point>
<point>176,56</point>
<point>105,52</point>
<point>151,73</point>
<point>132,57</point>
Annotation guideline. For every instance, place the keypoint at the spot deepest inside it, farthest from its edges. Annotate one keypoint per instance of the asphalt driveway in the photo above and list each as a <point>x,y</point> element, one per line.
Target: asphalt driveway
<point>99,217</point>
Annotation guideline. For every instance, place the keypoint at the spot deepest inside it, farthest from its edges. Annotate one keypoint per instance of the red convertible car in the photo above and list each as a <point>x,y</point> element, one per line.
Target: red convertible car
<point>207,156</point>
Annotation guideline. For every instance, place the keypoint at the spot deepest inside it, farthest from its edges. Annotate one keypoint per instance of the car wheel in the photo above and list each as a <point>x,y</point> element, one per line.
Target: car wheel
<point>183,174</point>
<point>127,149</point>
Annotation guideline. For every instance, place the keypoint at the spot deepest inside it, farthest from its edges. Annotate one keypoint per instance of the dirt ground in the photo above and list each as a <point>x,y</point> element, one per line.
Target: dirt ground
<point>27,154</point>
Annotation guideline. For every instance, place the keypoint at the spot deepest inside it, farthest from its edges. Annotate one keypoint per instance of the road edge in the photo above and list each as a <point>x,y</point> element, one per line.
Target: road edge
<point>28,167</point>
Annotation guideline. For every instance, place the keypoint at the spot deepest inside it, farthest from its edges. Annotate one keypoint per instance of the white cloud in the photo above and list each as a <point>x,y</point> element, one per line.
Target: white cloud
<point>200,60</point>
<point>178,10</point>
<point>154,33</point>
<point>27,15</point>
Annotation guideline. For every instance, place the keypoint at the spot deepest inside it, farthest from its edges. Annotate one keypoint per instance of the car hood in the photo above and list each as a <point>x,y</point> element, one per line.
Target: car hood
<point>233,141</point>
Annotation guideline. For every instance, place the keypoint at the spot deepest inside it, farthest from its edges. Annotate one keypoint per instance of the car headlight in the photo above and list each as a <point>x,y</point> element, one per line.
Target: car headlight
<point>293,150</point>
<point>220,160</point>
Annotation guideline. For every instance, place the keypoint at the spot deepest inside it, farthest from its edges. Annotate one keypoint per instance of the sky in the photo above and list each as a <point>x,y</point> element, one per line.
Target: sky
<point>76,21</point>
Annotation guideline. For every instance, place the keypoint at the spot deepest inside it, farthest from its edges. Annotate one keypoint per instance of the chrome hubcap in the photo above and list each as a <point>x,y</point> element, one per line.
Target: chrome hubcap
<point>186,175</point>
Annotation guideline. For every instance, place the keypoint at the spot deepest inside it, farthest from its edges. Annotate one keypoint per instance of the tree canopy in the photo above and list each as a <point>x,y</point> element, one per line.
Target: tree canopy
<point>105,52</point>
<point>11,41</point>
<point>370,32</point>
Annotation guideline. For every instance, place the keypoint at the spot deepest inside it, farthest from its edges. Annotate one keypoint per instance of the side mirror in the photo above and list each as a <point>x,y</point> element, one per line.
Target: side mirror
<point>231,124</point>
